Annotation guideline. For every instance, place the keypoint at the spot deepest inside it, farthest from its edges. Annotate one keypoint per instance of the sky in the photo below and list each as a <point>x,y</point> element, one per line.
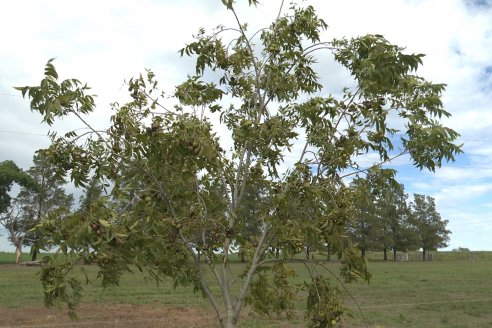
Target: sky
<point>107,42</point>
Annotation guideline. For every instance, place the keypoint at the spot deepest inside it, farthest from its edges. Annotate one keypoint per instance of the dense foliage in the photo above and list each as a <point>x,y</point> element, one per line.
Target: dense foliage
<point>431,229</point>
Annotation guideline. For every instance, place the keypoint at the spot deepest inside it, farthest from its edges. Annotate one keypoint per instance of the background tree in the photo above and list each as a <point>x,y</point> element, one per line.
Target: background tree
<point>92,194</point>
<point>364,228</point>
<point>371,226</point>
<point>10,217</point>
<point>10,173</point>
<point>17,228</point>
<point>180,188</point>
<point>254,203</point>
<point>50,196</point>
<point>431,229</point>
<point>383,219</point>
<point>383,184</point>
<point>400,234</point>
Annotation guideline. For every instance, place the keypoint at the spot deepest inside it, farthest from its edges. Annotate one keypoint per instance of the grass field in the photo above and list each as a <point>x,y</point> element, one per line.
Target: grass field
<point>455,291</point>
<point>9,258</point>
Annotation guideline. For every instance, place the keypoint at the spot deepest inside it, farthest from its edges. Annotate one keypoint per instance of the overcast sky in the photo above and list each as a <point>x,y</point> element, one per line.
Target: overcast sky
<point>105,42</point>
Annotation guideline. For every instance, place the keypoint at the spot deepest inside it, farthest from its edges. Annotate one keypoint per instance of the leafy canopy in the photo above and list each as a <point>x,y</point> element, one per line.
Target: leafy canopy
<point>182,193</point>
<point>431,228</point>
<point>10,173</point>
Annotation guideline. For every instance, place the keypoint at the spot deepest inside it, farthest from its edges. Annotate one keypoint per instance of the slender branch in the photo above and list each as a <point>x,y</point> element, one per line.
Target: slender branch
<point>243,183</point>
<point>375,165</point>
<point>235,279</point>
<point>235,192</point>
<point>344,112</point>
<point>312,278</point>
<point>87,124</point>
<point>254,34</point>
<point>154,101</point>
<point>224,285</point>
<point>323,45</point>
<point>250,48</point>
<point>280,10</point>
<point>239,191</point>
<point>224,29</point>
<point>201,277</point>
<point>306,53</point>
<point>254,265</point>
<point>304,150</point>
<point>87,133</point>
<point>226,191</point>
<point>220,281</point>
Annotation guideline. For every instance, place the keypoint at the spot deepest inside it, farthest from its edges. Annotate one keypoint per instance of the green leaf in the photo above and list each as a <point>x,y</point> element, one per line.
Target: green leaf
<point>105,223</point>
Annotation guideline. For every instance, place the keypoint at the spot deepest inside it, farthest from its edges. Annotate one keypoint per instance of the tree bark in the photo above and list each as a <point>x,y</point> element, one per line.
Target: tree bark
<point>235,310</point>
<point>18,253</point>
<point>385,251</point>
<point>229,323</point>
<point>423,254</point>
<point>307,252</point>
<point>363,252</point>
<point>394,254</point>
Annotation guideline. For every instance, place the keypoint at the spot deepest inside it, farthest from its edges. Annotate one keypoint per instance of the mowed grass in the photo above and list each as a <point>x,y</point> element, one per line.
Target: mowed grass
<point>6,258</point>
<point>432,294</point>
<point>456,292</point>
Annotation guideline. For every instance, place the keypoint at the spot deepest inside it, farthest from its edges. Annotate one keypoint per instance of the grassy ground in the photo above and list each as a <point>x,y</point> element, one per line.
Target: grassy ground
<point>451,292</point>
<point>434,294</point>
<point>6,258</point>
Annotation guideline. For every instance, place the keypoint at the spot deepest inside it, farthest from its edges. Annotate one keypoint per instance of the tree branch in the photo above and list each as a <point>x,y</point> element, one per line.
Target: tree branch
<point>375,165</point>
<point>201,277</point>
<point>254,265</point>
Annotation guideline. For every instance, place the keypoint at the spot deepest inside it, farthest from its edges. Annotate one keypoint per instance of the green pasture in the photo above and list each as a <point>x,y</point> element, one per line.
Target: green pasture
<point>6,258</point>
<point>454,291</point>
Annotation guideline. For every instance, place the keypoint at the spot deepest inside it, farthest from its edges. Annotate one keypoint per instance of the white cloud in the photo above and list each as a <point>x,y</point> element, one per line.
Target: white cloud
<point>461,194</point>
<point>450,174</point>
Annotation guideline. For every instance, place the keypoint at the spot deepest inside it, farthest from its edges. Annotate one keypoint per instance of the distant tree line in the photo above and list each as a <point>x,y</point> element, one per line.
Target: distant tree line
<point>382,220</point>
<point>385,220</point>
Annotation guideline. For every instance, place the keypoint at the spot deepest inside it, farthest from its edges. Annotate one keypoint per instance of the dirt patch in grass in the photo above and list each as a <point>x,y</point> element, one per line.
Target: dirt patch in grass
<point>114,315</point>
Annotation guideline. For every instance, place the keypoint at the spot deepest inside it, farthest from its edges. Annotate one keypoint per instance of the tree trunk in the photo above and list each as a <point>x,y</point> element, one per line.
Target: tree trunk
<point>385,254</point>
<point>277,252</point>
<point>34,253</point>
<point>229,323</point>
<point>18,253</point>
<point>423,254</point>
<point>307,252</point>
<point>394,254</point>
<point>363,252</point>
